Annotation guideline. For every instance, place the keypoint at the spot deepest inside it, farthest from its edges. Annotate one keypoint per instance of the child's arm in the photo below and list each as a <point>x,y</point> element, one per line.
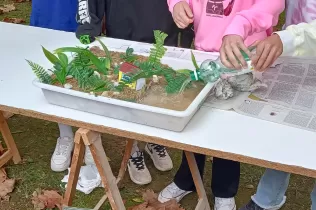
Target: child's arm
<point>89,17</point>
<point>296,40</point>
<point>299,40</point>
<point>172,3</point>
<point>181,12</point>
<point>260,17</point>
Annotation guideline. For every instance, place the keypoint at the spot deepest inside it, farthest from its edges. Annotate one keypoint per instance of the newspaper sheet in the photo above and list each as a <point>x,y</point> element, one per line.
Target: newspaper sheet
<point>278,114</point>
<point>291,84</point>
<point>290,98</point>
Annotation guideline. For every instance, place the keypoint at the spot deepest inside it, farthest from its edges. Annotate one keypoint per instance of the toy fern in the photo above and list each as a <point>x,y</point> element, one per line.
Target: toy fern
<point>158,51</point>
<point>40,72</point>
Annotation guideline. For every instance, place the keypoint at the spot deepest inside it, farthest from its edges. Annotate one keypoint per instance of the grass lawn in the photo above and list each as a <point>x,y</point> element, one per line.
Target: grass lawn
<point>36,141</point>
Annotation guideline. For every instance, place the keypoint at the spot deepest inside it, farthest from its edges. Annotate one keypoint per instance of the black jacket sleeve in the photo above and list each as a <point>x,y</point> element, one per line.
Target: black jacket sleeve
<point>187,36</point>
<point>89,17</point>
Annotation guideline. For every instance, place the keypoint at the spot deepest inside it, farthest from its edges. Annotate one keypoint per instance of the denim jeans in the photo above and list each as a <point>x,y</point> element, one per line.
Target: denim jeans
<point>271,190</point>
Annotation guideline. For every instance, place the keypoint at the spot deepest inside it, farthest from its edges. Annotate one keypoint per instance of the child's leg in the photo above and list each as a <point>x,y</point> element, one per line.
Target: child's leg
<point>183,182</point>
<point>61,158</point>
<point>135,148</point>
<point>313,198</point>
<point>183,178</point>
<point>65,131</point>
<point>271,189</point>
<point>225,182</point>
<point>225,178</point>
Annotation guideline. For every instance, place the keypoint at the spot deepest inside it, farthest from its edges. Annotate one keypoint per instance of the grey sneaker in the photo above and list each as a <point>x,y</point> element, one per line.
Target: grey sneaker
<point>251,206</point>
<point>159,156</point>
<point>137,169</point>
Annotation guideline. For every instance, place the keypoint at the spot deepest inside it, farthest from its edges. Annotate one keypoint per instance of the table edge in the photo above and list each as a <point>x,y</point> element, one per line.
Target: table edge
<point>166,142</point>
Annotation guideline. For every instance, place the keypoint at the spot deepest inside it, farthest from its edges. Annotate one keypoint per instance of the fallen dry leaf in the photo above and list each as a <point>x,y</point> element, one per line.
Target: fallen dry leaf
<point>46,199</point>
<point>7,8</point>
<point>250,186</point>
<point>152,203</point>
<point>6,185</point>
<point>13,20</point>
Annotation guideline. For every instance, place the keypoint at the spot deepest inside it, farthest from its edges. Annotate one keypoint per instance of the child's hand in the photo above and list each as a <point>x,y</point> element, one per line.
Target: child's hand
<point>182,14</point>
<point>230,53</point>
<point>267,51</point>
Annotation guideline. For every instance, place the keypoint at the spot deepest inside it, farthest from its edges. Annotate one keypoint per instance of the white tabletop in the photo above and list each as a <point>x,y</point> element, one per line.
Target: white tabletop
<point>215,132</point>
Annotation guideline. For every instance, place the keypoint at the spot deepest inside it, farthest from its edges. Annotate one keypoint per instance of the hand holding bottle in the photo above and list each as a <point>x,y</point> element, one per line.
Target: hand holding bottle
<point>267,51</point>
<point>182,14</point>
<point>230,53</point>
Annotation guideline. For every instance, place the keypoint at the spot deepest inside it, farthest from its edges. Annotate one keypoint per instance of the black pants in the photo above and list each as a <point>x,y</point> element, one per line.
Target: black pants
<point>225,176</point>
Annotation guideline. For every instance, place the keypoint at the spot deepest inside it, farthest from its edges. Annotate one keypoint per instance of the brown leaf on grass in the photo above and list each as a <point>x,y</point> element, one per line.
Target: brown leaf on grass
<point>152,203</point>
<point>13,20</point>
<point>46,199</point>
<point>7,8</point>
<point>6,185</point>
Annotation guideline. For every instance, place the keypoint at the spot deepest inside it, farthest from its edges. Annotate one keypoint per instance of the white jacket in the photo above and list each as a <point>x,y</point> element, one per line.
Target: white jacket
<point>299,40</point>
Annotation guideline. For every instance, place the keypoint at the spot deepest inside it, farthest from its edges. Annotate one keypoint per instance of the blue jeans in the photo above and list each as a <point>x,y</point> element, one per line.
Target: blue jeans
<point>271,190</point>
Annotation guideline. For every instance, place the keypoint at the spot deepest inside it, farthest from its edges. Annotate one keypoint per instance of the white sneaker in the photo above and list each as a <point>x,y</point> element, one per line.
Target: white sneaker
<point>88,158</point>
<point>61,158</point>
<point>224,204</point>
<point>160,157</point>
<point>137,169</point>
<point>172,191</point>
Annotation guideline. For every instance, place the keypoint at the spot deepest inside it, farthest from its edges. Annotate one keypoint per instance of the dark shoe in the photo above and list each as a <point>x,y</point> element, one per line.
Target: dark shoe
<point>251,206</point>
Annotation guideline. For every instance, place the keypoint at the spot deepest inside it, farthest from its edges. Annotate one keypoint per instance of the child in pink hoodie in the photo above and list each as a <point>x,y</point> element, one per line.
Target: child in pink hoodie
<point>226,26</point>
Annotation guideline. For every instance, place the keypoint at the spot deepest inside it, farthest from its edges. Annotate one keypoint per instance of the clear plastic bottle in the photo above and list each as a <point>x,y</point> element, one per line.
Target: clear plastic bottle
<point>211,70</point>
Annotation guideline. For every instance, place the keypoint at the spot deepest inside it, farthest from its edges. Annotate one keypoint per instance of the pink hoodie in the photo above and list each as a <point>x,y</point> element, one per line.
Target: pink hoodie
<point>213,19</point>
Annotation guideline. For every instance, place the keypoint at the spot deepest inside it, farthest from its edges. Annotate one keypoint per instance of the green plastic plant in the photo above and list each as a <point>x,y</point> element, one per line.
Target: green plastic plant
<point>40,72</point>
<point>158,51</point>
<point>129,56</point>
<point>60,62</point>
<point>102,65</point>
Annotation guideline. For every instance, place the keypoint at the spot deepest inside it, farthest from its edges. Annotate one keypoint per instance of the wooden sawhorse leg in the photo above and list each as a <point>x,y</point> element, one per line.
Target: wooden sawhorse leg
<point>12,150</point>
<point>203,203</point>
<point>92,139</point>
<point>126,156</point>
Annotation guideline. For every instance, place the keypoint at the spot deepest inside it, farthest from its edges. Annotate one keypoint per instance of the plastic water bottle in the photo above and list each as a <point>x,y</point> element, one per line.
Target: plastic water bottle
<point>211,70</point>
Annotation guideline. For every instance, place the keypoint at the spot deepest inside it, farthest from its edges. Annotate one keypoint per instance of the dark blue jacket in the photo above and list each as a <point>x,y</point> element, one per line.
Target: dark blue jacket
<point>55,14</point>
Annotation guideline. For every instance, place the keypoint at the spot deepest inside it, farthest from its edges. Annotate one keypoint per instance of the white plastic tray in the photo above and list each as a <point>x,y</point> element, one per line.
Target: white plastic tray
<point>128,111</point>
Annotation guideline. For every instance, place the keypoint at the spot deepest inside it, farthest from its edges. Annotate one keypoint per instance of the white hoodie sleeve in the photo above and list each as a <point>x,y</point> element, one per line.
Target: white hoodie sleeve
<point>299,40</point>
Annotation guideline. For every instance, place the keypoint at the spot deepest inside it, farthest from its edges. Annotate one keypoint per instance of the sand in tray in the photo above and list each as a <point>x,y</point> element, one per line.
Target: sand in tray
<point>157,96</point>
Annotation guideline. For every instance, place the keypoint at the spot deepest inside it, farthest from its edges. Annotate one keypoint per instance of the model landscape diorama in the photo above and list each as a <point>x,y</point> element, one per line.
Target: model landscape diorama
<point>123,76</point>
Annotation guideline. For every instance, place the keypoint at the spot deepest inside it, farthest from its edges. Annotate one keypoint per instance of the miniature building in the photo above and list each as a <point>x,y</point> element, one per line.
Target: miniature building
<point>126,68</point>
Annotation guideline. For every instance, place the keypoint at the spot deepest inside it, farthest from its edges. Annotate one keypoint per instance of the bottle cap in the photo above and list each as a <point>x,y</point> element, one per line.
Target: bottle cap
<point>195,75</point>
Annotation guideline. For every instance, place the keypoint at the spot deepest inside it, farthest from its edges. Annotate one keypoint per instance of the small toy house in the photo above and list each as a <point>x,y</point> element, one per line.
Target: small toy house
<point>126,68</point>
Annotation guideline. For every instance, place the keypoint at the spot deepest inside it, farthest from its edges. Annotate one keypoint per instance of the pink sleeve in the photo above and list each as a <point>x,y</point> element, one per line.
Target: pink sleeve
<point>172,3</point>
<point>263,15</point>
